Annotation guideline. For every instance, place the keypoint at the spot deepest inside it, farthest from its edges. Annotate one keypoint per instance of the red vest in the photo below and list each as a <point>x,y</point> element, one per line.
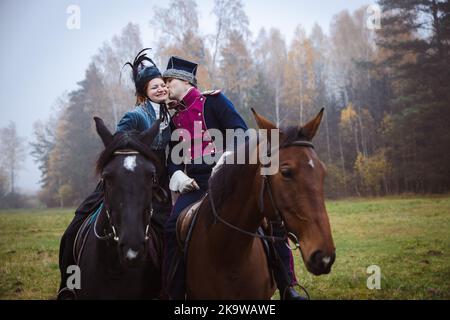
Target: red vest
<point>191,115</point>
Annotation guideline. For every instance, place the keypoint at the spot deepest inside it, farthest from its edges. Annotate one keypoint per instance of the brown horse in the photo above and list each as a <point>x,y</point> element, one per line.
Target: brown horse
<point>224,260</point>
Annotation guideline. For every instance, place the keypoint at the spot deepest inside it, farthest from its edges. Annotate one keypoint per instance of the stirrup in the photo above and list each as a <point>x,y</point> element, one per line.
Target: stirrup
<point>283,296</point>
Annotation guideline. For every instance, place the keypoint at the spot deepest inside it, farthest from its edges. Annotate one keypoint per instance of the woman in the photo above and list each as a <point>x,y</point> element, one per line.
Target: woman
<point>151,97</point>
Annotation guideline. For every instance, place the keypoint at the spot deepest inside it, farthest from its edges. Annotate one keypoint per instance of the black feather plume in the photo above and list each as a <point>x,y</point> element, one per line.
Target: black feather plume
<point>138,63</point>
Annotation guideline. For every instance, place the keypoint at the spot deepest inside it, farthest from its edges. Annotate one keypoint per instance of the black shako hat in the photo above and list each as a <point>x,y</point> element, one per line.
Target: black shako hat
<point>182,69</point>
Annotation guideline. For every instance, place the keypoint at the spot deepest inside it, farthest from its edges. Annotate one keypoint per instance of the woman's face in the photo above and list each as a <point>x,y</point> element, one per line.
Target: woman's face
<point>157,90</point>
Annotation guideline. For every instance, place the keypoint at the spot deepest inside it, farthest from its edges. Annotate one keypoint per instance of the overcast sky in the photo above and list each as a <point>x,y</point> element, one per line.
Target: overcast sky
<point>40,58</point>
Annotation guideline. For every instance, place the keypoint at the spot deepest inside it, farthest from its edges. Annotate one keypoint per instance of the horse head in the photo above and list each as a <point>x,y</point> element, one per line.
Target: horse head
<point>298,193</point>
<point>129,170</point>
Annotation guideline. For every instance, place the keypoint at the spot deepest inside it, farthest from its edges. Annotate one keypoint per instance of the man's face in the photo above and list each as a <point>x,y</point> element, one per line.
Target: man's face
<point>177,88</point>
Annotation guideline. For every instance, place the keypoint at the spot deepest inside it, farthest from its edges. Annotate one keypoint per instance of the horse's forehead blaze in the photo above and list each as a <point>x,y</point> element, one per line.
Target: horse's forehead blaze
<point>129,163</point>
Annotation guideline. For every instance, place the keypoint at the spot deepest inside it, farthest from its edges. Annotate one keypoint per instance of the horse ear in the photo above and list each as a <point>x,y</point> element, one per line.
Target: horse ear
<point>262,122</point>
<point>103,131</point>
<point>309,130</point>
<point>149,135</point>
<point>266,124</point>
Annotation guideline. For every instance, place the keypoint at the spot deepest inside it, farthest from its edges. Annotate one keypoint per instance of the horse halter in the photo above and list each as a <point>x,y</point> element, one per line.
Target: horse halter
<point>266,185</point>
<point>149,212</point>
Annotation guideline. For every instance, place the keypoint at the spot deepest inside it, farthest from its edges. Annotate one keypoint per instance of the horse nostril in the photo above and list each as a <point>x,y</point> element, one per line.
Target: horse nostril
<point>316,261</point>
<point>317,258</point>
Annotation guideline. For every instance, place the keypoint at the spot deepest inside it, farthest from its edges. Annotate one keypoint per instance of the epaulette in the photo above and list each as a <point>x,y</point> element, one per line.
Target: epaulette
<point>211,92</point>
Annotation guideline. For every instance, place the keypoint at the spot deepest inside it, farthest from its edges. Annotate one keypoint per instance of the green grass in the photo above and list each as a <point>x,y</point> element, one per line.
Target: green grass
<point>29,247</point>
<point>408,238</point>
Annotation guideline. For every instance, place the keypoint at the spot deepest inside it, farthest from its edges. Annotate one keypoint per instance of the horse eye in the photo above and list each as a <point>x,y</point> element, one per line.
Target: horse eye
<point>286,173</point>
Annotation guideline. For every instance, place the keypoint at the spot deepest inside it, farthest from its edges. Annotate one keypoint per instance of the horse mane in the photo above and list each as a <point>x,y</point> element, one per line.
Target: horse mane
<point>126,140</point>
<point>225,181</point>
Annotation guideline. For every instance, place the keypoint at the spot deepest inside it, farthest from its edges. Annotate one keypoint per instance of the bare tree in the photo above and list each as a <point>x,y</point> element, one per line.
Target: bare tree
<point>271,54</point>
<point>179,35</point>
<point>178,19</point>
<point>109,61</point>
<point>13,152</point>
<point>232,22</point>
<point>299,77</point>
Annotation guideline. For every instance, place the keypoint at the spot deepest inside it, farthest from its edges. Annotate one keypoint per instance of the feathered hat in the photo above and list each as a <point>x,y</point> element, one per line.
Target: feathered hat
<point>142,74</point>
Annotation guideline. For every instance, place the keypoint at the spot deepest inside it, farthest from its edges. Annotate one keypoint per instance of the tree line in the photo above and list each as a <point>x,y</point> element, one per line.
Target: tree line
<point>386,93</point>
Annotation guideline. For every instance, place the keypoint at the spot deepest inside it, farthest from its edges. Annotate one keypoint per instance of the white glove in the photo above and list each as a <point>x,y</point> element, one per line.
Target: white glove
<point>182,183</point>
<point>221,161</point>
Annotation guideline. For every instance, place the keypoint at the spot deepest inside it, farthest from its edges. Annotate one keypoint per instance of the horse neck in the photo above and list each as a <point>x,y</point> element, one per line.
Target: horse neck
<point>242,211</point>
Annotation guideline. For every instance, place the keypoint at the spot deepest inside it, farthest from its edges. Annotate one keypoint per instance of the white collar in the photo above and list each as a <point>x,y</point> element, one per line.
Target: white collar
<point>155,106</point>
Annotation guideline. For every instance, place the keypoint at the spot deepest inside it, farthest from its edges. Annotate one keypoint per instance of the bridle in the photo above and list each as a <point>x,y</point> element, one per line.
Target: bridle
<point>113,234</point>
<point>114,231</point>
<point>266,185</point>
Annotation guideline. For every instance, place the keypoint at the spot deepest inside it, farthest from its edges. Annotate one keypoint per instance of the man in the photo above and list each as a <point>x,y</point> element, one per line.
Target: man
<point>214,111</point>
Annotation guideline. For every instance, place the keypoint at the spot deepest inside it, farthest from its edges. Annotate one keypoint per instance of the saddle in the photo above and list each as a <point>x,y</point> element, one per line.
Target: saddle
<point>185,223</point>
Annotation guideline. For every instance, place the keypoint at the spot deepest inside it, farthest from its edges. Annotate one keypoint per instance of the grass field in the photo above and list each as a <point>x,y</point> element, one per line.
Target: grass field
<point>408,238</point>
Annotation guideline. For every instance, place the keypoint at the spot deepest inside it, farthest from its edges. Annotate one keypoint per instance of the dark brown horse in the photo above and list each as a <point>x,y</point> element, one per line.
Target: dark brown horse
<point>224,260</point>
<point>122,252</point>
